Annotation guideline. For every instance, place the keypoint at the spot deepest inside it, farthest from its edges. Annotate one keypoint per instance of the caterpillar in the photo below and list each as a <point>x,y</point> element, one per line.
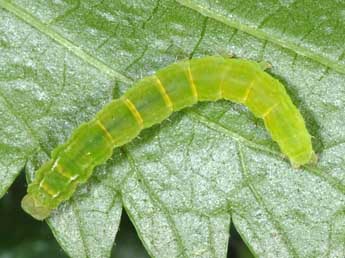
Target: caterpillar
<point>153,99</point>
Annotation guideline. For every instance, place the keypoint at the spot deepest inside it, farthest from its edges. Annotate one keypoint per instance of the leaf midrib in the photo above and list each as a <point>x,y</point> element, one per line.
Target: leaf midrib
<point>37,24</point>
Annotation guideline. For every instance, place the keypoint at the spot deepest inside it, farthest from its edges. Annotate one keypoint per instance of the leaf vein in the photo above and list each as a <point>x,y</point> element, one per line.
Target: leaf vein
<point>262,204</point>
<point>23,121</point>
<point>159,203</point>
<point>310,169</point>
<point>303,51</point>
<point>70,46</point>
<point>81,231</point>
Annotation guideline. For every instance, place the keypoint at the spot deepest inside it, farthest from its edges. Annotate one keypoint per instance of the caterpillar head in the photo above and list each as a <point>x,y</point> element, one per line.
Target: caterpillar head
<point>35,208</point>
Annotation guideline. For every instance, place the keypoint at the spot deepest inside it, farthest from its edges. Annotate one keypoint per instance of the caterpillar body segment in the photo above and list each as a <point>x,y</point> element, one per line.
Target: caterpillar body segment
<point>153,99</point>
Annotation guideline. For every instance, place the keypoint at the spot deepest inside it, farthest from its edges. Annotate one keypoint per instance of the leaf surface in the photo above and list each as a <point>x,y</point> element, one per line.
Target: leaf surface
<point>181,182</point>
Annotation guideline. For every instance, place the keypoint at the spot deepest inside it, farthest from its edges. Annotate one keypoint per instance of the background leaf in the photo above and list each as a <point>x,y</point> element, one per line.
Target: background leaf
<point>183,181</point>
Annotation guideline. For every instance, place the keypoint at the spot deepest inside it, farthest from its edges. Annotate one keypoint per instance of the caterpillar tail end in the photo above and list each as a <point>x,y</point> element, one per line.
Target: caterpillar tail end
<point>314,159</point>
<point>311,159</point>
<point>35,208</point>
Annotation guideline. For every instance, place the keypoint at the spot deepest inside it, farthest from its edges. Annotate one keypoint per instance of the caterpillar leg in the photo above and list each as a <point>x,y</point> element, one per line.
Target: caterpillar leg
<point>264,65</point>
<point>314,159</point>
<point>295,166</point>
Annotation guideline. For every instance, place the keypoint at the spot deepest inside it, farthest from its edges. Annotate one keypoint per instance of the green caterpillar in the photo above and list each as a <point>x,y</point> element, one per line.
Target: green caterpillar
<point>153,99</point>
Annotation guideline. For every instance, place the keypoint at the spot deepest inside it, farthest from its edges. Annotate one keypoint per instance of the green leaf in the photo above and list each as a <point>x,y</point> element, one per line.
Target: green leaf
<point>183,181</point>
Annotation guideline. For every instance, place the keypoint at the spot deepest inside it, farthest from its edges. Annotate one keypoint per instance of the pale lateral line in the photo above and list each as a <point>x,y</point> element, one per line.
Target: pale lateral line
<point>135,112</point>
<point>265,36</point>
<point>56,195</point>
<point>269,110</point>
<point>248,91</point>
<point>47,189</point>
<point>192,84</point>
<point>164,93</point>
<point>108,135</point>
<point>74,178</point>
<point>60,169</point>
<point>33,21</point>
<point>55,163</point>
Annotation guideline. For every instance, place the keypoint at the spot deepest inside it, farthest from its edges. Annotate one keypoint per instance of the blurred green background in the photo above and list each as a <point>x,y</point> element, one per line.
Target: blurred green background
<point>23,237</point>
